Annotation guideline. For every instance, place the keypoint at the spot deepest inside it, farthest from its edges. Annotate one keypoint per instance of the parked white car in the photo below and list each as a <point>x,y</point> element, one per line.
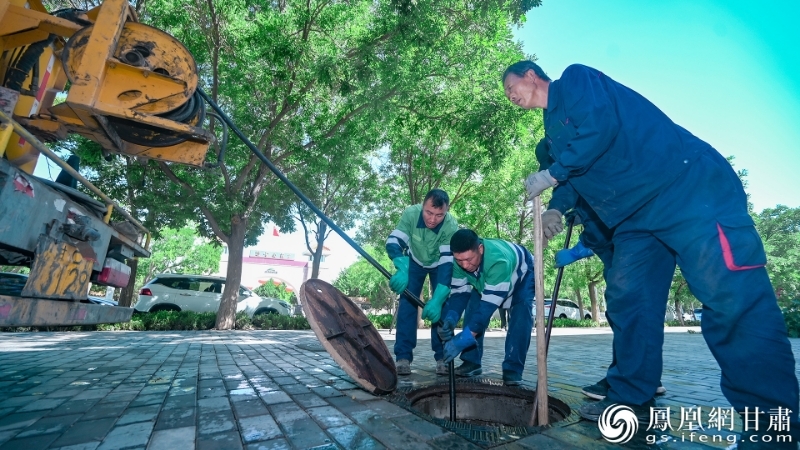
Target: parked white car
<point>565,309</point>
<point>200,293</point>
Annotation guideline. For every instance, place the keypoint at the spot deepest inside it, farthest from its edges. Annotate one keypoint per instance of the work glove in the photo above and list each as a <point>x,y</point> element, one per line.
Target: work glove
<point>537,182</point>
<point>569,256</point>
<point>458,344</point>
<point>433,309</point>
<point>399,281</point>
<point>448,326</point>
<point>552,223</point>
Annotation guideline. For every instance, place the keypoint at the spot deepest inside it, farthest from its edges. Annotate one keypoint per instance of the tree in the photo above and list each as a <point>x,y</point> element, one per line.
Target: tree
<point>297,74</point>
<point>279,291</point>
<point>180,251</point>
<point>346,185</point>
<point>360,279</point>
<point>779,228</point>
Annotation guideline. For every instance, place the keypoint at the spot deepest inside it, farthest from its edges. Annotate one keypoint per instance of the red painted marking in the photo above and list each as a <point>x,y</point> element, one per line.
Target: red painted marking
<point>727,253</point>
<point>40,94</point>
<point>23,185</point>
<point>5,310</point>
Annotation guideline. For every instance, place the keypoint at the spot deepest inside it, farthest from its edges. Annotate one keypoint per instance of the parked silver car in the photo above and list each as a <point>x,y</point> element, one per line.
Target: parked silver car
<point>200,293</point>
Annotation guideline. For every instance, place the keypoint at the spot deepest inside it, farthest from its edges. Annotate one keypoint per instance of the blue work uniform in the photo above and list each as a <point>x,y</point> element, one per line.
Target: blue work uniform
<point>429,256</point>
<point>504,279</point>
<point>669,196</point>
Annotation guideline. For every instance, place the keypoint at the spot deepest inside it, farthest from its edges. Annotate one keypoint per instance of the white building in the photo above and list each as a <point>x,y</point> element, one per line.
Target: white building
<point>280,261</point>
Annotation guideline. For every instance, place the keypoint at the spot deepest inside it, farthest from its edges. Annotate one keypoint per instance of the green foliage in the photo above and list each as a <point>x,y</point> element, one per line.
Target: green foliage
<point>272,290</point>
<point>361,279</point>
<point>380,321</point>
<point>686,323</point>
<point>779,228</point>
<point>279,322</point>
<point>572,323</point>
<point>791,316</point>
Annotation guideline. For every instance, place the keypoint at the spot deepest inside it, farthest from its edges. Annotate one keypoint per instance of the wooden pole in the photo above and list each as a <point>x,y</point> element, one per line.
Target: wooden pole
<point>541,409</point>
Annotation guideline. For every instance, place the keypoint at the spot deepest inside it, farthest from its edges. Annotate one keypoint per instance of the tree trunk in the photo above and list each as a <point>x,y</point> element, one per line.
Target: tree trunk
<point>226,315</point>
<point>593,298</point>
<point>679,310</point>
<point>579,301</point>
<point>321,230</point>
<point>126,296</point>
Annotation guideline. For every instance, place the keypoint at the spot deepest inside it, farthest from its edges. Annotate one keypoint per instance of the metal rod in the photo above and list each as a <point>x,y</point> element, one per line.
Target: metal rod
<point>37,144</point>
<point>557,287</point>
<point>451,368</point>
<point>551,314</point>
<point>540,405</point>
<point>409,296</point>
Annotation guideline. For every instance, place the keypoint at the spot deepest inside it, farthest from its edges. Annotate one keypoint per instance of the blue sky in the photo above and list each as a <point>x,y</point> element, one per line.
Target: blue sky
<point>727,71</point>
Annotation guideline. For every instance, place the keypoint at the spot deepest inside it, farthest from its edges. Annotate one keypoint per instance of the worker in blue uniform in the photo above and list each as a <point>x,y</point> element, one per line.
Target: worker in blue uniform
<point>489,274</point>
<point>595,239</point>
<point>668,195</point>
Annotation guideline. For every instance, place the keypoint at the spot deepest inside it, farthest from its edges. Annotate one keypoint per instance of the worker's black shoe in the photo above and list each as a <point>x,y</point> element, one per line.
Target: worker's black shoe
<point>592,411</point>
<point>403,367</point>
<point>469,369</point>
<point>599,390</point>
<point>441,368</point>
<point>511,378</point>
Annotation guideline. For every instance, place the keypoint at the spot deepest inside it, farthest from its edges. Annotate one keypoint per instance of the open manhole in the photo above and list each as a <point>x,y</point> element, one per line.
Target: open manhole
<point>487,413</point>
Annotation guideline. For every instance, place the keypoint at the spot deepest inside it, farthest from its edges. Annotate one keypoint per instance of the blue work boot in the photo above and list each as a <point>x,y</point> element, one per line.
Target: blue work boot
<point>469,369</point>
<point>511,378</point>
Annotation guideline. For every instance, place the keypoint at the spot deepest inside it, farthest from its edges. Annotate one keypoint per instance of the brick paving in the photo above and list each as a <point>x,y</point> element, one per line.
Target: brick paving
<point>260,390</point>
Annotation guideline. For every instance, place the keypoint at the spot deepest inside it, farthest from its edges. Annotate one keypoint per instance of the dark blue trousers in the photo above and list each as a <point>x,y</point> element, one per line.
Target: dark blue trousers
<point>701,222</point>
<point>520,325</point>
<point>406,339</point>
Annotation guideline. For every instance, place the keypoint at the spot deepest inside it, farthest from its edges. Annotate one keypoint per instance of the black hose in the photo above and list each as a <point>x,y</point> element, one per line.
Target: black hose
<point>17,74</point>
<point>223,146</point>
<point>409,296</point>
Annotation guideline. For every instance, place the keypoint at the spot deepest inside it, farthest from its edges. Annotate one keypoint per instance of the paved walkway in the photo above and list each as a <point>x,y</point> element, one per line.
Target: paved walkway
<point>273,390</point>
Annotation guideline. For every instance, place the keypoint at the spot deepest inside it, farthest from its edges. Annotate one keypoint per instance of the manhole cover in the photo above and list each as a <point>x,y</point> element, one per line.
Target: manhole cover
<point>348,336</point>
<point>488,413</point>
<point>311,347</point>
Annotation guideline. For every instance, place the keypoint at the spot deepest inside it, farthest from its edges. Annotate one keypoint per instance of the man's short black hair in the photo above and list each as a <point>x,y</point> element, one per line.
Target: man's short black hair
<point>522,67</point>
<point>464,240</point>
<point>438,198</point>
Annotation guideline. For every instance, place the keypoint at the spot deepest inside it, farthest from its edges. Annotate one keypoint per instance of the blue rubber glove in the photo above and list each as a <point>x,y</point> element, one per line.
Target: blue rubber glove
<point>569,256</point>
<point>458,344</point>
<point>448,326</point>
<point>399,281</point>
<point>433,309</point>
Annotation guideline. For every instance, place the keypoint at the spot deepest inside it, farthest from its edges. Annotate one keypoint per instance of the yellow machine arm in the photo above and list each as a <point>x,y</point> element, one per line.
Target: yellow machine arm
<point>132,87</point>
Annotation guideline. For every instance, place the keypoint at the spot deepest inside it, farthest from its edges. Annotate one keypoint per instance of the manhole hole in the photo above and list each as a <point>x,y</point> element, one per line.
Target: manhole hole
<point>487,413</point>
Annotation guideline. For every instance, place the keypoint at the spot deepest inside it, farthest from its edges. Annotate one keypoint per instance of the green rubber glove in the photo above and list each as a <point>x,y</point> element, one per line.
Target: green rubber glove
<point>399,281</point>
<point>433,309</point>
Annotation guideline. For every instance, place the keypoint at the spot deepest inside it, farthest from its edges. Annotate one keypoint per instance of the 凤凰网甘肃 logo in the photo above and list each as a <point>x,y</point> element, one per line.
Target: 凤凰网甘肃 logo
<point>618,424</point>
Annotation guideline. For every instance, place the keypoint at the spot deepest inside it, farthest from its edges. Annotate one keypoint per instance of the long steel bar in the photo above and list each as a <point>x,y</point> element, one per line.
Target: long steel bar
<point>540,405</point>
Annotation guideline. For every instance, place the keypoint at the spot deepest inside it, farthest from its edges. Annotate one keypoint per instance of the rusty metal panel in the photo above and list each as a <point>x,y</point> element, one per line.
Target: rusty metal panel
<point>29,312</point>
<point>60,270</point>
<point>349,337</point>
<point>27,206</point>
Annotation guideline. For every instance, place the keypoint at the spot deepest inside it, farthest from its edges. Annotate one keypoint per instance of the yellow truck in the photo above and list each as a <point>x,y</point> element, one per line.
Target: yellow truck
<point>104,75</point>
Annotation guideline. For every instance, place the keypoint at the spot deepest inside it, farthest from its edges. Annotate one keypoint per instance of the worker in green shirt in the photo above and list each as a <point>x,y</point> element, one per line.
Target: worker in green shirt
<point>420,247</point>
